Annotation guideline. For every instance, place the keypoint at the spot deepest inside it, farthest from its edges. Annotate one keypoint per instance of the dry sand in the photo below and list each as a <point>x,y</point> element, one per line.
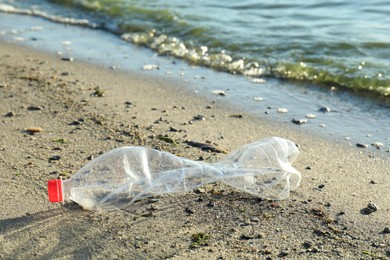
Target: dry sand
<point>323,218</point>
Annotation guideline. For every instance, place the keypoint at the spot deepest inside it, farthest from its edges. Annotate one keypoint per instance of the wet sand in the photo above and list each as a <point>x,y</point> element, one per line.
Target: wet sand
<point>83,110</point>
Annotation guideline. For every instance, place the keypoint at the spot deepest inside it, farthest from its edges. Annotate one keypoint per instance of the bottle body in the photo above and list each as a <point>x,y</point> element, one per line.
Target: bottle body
<point>262,168</point>
<point>126,174</point>
<point>123,175</point>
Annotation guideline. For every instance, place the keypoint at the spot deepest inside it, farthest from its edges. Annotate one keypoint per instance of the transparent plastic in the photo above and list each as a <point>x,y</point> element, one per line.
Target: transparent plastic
<point>121,176</point>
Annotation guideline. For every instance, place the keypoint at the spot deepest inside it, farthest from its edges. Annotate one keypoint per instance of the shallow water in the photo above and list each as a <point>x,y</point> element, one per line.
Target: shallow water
<point>357,118</point>
<point>342,44</point>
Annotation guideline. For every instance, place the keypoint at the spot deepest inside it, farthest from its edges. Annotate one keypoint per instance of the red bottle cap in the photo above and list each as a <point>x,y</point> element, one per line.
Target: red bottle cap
<point>54,190</point>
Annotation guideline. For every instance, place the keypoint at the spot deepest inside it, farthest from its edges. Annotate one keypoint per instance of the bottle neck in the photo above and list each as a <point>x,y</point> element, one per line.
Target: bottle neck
<point>66,187</point>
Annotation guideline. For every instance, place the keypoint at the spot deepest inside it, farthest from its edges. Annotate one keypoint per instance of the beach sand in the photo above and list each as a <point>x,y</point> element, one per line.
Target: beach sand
<point>82,110</point>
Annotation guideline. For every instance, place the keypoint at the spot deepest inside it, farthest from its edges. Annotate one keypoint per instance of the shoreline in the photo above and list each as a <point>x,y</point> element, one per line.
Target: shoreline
<point>352,120</point>
<point>323,217</point>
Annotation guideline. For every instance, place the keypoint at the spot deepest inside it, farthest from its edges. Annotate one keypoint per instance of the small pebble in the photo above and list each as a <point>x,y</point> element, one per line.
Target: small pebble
<point>10,114</point>
<point>372,206</point>
<point>386,230</point>
<point>362,145</point>
<point>34,108</point>
<point>307,244</point>
<point>70,59</point>
<point>210,204</point>
<point>311,116</point>
<point>299,121</point>
<point>150,67</point>
<point>189,210</point>
<point>55,158</point>
<point>378,145</point>
<point>258,98</point>
<point>172,129</point>
<point>200,190</point>
<point>33,130</point>
<point>199,117</point>
<point>283,253</point>
<point>219,92</point>
<point>282,110</point>
<point>324,109</point>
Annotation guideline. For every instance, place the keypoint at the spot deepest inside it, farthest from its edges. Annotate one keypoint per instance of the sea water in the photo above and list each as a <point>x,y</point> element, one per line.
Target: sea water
<point>332,53</point>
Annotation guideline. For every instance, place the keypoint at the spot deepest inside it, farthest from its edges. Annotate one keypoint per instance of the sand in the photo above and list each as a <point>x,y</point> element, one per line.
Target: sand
<point>82,110</point>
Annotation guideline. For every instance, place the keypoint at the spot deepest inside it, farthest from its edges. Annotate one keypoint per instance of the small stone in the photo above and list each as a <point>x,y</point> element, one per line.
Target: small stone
<point>299,121</point>
<point>219,92</point>
<point>34,108</point>
<point>386,230</point>
<point>311,116</point>
<point>321,186</point>
<point>362,145</point>
<point>199,117</point>
<point>189,210</point>
<point>378,145</point>
<point>65,73</point>
<point>308,168</point>
<point>315,250</point>
<point>307,244</point>
<point>70,59</point>
<point>150,67</point>
<point>258,98</point>
<point>200,190</point>
<point>172,129</point>
<point>373,182</point>
<point>255,219</point>
<point>324,109</point>
<point>75,123</point>
<point>10,114</point>
<point>372,206</point>
<point>282,110</point>
<point>367,211</point>
<point>33,130</point>
<point>210,204</point>
<point>283,253</point>
<point>55,158</point>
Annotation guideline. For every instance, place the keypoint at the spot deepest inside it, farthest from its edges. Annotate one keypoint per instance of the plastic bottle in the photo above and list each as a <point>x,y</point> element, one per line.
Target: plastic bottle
<point>123,175</point>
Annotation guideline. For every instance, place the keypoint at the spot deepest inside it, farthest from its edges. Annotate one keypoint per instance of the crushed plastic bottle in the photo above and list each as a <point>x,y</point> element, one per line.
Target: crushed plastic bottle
<point>123,175</point>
